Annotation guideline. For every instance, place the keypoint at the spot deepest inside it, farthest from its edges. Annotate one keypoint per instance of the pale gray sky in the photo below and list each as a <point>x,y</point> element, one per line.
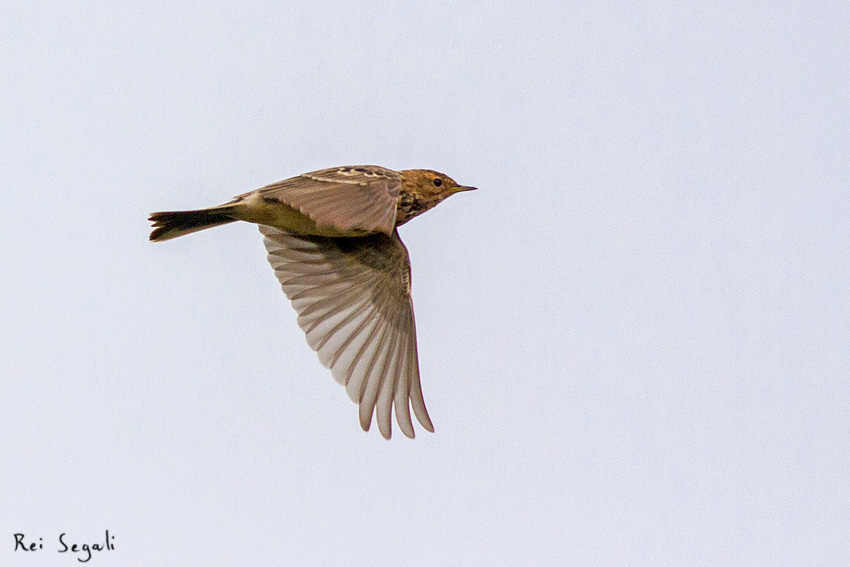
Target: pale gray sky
<point>633,339</point>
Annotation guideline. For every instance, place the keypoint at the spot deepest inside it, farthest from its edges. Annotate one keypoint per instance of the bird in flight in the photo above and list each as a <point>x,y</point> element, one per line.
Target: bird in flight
<point>332,239</point>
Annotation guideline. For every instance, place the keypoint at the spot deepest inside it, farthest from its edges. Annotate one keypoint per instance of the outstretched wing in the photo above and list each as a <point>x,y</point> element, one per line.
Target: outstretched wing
<point>347,198</point>
<point>353,301</point>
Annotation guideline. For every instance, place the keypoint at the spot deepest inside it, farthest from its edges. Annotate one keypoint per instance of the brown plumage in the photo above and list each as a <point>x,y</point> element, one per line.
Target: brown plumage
<point>331,238</point>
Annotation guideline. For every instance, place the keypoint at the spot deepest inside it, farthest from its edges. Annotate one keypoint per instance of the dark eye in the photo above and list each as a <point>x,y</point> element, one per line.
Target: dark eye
<point>437,182</point>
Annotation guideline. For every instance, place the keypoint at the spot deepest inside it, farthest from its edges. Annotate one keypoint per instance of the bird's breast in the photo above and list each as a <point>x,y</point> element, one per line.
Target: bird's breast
<point>409,205</point>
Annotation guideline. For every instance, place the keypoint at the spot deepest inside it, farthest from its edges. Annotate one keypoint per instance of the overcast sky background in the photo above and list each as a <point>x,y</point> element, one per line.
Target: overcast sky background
<point>633,339</point>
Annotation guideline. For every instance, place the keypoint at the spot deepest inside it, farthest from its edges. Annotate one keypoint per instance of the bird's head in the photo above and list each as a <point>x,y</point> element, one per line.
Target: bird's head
<point>423,189</point>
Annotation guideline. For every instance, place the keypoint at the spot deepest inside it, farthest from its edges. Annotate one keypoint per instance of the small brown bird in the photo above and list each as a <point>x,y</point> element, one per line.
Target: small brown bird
<point>331,238</point>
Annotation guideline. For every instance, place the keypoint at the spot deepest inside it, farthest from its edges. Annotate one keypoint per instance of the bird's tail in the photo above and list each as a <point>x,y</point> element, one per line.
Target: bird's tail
<point>168,225</point>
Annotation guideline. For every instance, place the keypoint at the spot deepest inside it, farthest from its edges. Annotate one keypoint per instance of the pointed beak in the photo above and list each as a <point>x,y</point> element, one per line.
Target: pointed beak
<point>461,188</point>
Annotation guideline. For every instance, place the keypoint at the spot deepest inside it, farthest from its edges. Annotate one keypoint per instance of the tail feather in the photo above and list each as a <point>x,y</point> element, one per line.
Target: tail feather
<point>168,225</point>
